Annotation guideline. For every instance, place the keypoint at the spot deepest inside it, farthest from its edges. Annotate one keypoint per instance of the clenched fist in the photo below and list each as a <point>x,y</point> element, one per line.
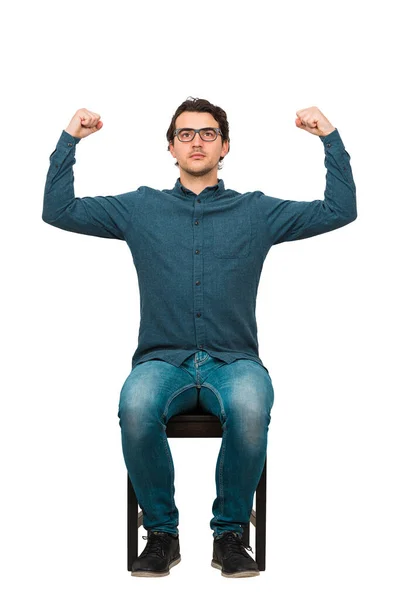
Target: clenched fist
<point>83,123</point>
<point>312,120</point>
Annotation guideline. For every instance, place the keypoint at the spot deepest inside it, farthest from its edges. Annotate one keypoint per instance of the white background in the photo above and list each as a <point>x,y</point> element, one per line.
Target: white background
<point>327,307</point>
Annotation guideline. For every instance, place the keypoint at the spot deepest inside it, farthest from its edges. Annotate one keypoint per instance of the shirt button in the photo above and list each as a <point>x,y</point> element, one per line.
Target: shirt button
<point>197,282</point>
<point>196,222</point>
<point>69,144</point>
<point>201,346</point>
<point>197,251</point>
<point>198,200</point>
<point>198,314</point>
<point>329,145</point>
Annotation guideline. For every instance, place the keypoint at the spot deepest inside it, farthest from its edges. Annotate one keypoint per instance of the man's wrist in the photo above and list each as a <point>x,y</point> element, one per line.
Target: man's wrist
<point>330,138</point>
<point>329,132</point>
<point>71,137</point>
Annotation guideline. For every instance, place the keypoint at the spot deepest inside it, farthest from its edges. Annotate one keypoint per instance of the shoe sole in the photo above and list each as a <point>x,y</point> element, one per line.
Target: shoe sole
<point>237,574</point>
<point>156,573</point>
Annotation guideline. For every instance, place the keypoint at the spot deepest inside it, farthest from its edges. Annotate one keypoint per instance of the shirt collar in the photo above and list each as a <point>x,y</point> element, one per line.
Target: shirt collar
<point>214,190</point>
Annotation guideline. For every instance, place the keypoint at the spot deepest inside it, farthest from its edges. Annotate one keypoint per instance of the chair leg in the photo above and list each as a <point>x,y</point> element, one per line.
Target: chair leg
<point>258,519</point>
<point>261,515</point>
<point>132,525</point>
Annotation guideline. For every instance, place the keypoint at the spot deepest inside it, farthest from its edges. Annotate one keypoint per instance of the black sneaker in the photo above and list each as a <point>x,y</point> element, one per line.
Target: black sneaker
<point>230,556</point>
<point>161,552</point>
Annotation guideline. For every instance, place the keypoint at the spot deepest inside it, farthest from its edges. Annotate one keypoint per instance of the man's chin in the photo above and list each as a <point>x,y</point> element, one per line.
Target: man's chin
<point>197,172</point>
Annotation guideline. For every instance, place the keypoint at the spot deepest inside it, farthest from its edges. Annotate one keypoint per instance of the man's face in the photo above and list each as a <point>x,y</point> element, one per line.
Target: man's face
<point>197,157</point>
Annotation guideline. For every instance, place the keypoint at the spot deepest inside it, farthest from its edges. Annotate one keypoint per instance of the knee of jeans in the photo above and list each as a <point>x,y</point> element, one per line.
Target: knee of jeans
<point>270,394</point>
<point>135,422</point>
<point>136,417</point>
<point>128,408</point>
<point>270,400</point>
<point>254,428</point>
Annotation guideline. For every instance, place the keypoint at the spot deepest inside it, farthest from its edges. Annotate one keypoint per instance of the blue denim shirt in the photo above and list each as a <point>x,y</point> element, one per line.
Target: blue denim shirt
<point>198,257</point>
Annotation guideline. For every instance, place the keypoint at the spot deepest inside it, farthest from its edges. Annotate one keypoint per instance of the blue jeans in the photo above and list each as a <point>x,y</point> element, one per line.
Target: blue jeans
<point>239,393</point>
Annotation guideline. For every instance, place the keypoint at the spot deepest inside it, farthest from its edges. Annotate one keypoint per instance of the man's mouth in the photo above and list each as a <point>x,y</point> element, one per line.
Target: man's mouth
<point>197,155</point>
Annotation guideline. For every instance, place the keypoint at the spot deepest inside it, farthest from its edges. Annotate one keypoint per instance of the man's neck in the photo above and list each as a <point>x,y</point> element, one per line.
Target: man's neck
<point>198,184</point>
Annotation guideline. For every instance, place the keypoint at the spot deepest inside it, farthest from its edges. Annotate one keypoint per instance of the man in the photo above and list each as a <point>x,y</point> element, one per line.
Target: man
<point>198,249</point>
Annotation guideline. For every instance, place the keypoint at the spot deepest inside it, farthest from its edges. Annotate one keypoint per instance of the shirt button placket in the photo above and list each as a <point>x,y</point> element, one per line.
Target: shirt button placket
<point>198,273</point>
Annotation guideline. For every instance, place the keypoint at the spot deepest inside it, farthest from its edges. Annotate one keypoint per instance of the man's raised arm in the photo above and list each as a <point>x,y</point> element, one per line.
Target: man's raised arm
<point>102,216</point>
<point>289,220</point>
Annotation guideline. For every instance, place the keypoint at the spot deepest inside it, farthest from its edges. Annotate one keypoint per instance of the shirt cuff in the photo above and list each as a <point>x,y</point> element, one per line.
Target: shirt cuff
<point>332,137</point>
<point>69,139</point>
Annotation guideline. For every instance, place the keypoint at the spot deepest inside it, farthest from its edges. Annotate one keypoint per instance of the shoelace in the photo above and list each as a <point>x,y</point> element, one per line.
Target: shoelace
<point>156,544</point>
<point>234,544</point>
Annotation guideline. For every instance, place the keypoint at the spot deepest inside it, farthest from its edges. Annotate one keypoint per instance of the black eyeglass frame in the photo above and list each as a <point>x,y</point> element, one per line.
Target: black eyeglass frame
<point>216,129</point>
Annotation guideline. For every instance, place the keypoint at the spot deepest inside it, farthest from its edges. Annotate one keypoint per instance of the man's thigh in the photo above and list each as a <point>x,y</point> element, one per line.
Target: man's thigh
<point>158,389</point>
<point>242,391</point>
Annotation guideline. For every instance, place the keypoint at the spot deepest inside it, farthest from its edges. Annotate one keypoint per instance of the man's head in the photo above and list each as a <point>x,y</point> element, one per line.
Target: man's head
<point>197,113</point>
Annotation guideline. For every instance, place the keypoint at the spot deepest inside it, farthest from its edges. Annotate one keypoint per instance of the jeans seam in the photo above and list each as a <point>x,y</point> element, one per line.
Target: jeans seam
<point>221,467</point>
<point>211,373</point>
<point>213,389</point>
<point>223,446</point>
<point>187,371</point>
<point>171,467</point>
<point>176,393</point>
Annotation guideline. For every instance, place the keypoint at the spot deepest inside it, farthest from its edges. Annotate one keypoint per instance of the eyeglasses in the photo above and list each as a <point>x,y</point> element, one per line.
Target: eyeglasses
<point>207,134</point>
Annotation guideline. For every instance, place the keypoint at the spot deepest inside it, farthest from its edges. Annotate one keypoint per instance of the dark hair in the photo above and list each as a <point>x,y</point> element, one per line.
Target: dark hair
<point>201,105</point>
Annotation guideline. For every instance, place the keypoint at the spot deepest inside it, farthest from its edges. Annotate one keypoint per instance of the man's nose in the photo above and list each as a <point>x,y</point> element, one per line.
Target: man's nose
<point>197,139</point>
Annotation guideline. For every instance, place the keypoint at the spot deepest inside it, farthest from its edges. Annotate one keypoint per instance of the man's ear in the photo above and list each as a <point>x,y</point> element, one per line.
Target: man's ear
<point>225,148</point>
<point>171,149</point>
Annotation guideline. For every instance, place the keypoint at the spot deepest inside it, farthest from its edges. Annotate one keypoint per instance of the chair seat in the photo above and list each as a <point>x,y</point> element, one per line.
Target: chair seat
<point>195,423</point>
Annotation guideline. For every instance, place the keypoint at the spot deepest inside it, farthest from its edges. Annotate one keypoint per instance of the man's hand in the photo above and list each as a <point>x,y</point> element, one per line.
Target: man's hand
<point>83,123</point>
<point>312,120</point>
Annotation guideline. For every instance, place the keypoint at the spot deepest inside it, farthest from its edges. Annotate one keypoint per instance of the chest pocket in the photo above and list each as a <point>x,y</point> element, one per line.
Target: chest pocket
<point>232,233</point>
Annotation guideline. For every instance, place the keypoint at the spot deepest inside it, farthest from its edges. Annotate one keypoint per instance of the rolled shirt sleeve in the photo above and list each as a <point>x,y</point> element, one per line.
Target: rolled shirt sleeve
<point>289,220</point>
<point>102,216</point>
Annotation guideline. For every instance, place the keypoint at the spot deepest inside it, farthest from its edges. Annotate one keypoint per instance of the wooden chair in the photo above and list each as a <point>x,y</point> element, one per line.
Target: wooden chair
<point>197,423</point>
